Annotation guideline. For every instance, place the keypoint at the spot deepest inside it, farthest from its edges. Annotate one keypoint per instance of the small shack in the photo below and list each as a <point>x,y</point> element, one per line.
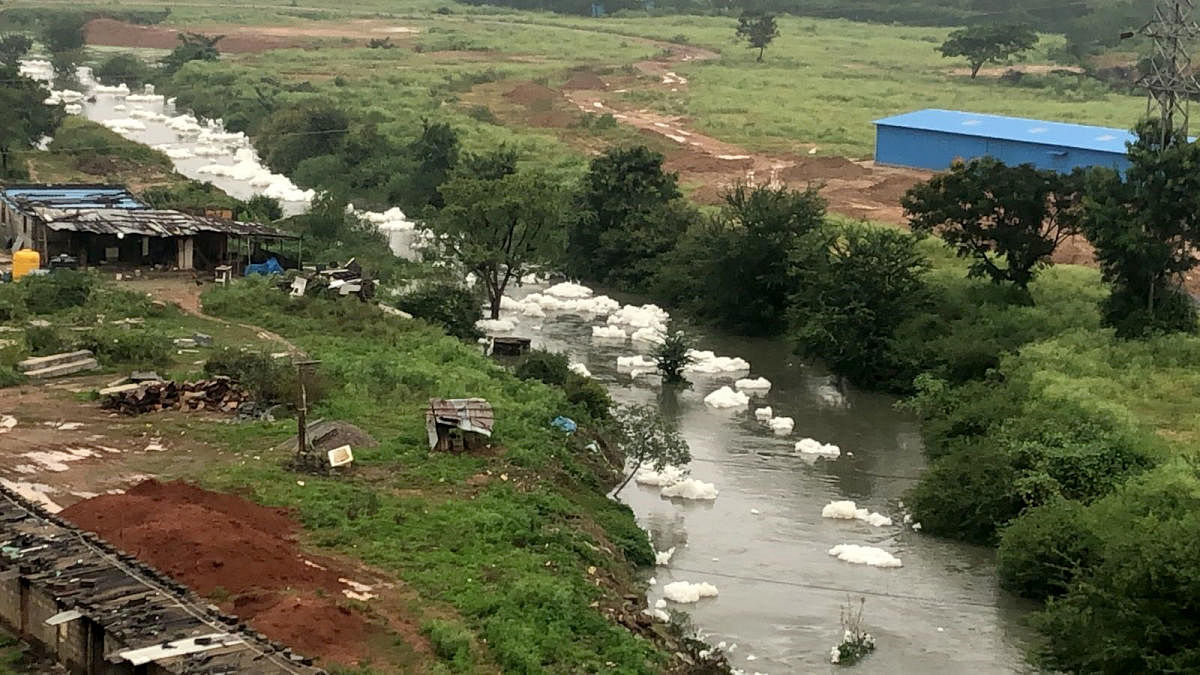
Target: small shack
<point>106,224</point>
<point>458,424</point>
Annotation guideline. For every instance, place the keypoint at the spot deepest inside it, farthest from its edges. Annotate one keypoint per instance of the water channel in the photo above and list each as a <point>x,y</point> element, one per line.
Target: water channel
<point>763,542</point>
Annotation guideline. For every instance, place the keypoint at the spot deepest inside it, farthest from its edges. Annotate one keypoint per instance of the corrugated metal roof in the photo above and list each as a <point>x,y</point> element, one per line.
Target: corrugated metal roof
<point>149,222</point>
<point>469,414</point>
<point>1062,134</point>
<point>71,196</point>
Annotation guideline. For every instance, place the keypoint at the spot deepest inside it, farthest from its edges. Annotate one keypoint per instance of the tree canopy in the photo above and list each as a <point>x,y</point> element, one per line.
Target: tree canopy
<point>24,119</point>
<point>64,32</point>
<point>988,43</point>
<point>192,47</point>
<point>13,47</point>
<point>758,29</point>
<point>1145,226</point>
<point>500,228</point>
<point>1007,219</point>
<point>649,439</point>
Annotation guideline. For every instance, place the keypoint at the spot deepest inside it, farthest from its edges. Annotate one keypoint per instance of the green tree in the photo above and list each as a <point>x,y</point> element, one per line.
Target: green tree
<point>854,285</point>
<point>24,120</point>
<point>758,29</point>
<point>64,32</point>
<point>1145,226</point>
<point>13,47</point>
<point>672,355</point>
<point>433,156</point>
<point>192,47</point>
<point>261,209</point>
<point>310,128</point>
<point>648,440</point>
<point>451,306</point>
<point>629,214</point>
<point>741,262</point>
<point>500,228</point>
<point>124,69</point>
<point>1007,219</point>
<point>988,43</point>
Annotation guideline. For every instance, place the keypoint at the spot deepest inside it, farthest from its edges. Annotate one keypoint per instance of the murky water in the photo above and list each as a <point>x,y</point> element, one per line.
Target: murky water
<point>780,592</point>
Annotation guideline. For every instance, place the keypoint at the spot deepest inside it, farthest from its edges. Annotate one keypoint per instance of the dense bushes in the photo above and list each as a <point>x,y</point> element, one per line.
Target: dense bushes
<point>1043,551</point>
<point>554,369</point>
<point>454,308</point>
<point>127,345</point>
<point>269,380</point>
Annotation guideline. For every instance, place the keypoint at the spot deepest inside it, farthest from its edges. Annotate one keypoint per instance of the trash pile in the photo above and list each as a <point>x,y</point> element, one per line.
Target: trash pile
<point>343,280</point>
<point>137,398</point>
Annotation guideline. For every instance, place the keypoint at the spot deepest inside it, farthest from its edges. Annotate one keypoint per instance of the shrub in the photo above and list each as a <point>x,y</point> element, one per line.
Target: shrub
<point>549,367</point>
<point>124,69</point>
<point>128,345</point>
<point>454,308</point>
<point>589,395</point>
<point>968,495</point>
<point>49,293</point>
<point>1042,551</point>
<point>269,380</point>
<point>12,302</point>
<point>44,340</point>
<point>451,642</point>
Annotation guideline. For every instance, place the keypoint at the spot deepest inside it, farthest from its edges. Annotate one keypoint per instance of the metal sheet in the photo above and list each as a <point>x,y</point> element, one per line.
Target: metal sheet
<point>145,655</point>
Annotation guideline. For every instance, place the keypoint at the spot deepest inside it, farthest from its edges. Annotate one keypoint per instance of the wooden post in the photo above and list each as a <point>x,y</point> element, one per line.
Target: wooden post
<point>304,458</point>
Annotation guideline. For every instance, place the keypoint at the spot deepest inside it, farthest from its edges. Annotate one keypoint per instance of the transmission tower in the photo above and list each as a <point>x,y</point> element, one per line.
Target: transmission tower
<point>1170,81</point>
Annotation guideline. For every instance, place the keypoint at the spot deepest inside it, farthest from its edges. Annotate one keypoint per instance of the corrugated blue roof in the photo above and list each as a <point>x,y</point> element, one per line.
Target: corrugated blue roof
<point>1061,134</point>
<point>72,196</point>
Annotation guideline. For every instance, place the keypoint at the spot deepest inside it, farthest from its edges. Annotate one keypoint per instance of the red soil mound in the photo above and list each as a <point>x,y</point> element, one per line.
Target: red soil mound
<point>531,93</point>
<point>212,541</point>
<point>115,33</point>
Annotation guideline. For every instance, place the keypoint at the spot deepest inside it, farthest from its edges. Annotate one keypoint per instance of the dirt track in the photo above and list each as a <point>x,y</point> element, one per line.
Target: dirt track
<point>242,39</point>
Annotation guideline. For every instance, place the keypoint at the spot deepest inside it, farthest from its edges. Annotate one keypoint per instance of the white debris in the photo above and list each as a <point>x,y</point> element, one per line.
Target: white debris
<point>764,414</point>
<point>663,558</point>
<point>808,446</point>
<point>609,332</point>
<point>691,488</point>
<point>726,398</point>
<point>685,593</point>
<point>865,555</point>
<point>782,426</point>
<point>659,614</point>
<point>580,370</point>
<point>660,604</point>
<point>848,510</point>
<point>755,512</point>
<point>496,325</point>
<point>569,291</point>
<point>34,492</point>
<point>759,385</point>
<point>635,362</point>
<point>7,423</point>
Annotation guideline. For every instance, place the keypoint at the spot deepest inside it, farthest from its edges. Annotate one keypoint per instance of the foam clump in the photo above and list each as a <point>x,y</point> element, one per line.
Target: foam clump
<point>663,558</point>
<point>686,593</point>
<point>865,555</point>
<point>764,414</point>
<point>726,398</point>
<point>125,125</point>
<point>782,426</point>
<point>608,332</point>
<point>809,446</point>
<point>756,385</point>
<point>645,316</point>
<point>569,291</point>
<point>649,335</point>
<point>579,369</point>
<point>690,488</point>
<point>708,363</point>
<point>668,476</point>
<point>848,510</point>
<point>496,325</point>
<point>637,362</point>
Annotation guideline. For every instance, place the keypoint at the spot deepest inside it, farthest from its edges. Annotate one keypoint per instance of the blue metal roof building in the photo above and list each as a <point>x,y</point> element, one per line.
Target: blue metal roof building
<point>934,139</point>
<point>70,197</point>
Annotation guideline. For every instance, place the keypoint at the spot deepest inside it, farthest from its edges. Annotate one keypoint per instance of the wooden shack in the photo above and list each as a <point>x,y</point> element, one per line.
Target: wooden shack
<point>458,424</point>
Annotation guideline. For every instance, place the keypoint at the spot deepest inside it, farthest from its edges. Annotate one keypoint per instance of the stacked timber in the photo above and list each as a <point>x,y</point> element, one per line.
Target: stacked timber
<point>217,394</point>
<point>58,365</point>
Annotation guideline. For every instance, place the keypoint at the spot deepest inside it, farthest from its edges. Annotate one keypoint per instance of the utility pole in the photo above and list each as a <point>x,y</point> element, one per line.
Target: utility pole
<point>304,459</point>
<point>1169,80</point>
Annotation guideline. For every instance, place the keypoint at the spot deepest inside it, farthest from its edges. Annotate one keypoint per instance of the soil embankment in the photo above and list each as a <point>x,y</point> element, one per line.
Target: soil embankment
<point>243,556</point>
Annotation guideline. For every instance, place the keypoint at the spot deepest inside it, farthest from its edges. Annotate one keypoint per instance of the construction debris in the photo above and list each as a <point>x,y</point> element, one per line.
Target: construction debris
<point>58,365</point>
<point>218,394</point>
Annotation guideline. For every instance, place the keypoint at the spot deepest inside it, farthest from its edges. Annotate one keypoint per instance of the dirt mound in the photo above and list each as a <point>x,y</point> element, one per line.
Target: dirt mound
<point>585,80</point>
<point>531,94</point>
<point>222,544</point>
<point>325,435</point>
<point>305,622</point>
<point>690,161</point>
<point>891,189</point>
<point>813,169</point>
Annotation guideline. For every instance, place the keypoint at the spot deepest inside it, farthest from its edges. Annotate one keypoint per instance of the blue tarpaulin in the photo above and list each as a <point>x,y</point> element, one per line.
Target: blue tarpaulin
<point>565,423</point>
<point>271,266</point>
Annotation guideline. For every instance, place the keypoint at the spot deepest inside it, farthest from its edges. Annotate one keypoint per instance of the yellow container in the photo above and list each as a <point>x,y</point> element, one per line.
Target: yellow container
<point>24,262</point>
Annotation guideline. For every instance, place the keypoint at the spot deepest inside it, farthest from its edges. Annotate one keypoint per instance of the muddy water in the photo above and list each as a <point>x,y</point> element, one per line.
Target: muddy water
<point>780,592</point>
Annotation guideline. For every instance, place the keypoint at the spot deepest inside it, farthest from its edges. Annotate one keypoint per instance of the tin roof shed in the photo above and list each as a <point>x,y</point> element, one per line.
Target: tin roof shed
<point>25,197</point>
